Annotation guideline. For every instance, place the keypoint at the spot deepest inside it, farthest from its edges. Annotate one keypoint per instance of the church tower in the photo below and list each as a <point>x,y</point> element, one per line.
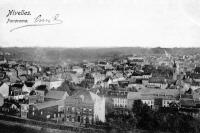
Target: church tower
<point>175,70</point>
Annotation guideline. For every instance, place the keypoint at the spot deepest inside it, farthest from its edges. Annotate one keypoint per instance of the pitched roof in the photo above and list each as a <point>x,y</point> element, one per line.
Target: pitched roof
<point>58,95</point>
<point>157,80</point>
<point>81,95</point>
<point>188,103</point>
<point>195,76</point>
<point>160,91</point>
<point>41,87</point>
<point>29,84</point>
<point>49,104</point>
<point>153,93</point>
<point>17,85</point>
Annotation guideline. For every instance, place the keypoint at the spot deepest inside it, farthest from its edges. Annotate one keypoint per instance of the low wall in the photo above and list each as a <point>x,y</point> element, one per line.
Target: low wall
<point>51,125</point>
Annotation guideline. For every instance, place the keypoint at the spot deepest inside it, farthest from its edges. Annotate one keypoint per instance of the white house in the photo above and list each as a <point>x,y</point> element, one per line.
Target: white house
<point>4,89</point>
<point>98,77</point>
<point>119,98</point>
<point>77,69</point>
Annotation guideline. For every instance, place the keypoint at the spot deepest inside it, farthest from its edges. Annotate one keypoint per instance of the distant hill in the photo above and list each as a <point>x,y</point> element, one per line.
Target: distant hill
<point>62,55</point>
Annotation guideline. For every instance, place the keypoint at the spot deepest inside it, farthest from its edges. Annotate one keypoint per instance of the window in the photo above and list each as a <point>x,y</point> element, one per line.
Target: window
<point>66,109</point>
<point>79,119</point>
<point>73,109</point>
<point>84,119</point>
<point>67,118</point>
<point>90,119</point>
<point>33,113</point>
<point>41,112</point>
<point>48,116</point>
<point>72,119</point>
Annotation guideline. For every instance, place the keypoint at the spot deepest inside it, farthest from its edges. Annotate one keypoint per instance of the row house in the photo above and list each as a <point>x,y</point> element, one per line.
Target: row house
<point>52,108</point>
<point>84,107</point>
<point>45,111</point>
<point>18,101</point>
<point>41,90</point>
<point>136,60</point>
<point>35,98</point>
<point>154,98</point>
<point>98,77</point>
<point>15,92</point>
<point>141,75</point>
<point>190,104</point>
<point>156,82</point>
<point>119,98</point>
<point>89,79</point>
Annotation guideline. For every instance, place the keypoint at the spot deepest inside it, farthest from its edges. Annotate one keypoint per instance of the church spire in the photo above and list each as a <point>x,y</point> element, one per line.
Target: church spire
<point>174,65</point>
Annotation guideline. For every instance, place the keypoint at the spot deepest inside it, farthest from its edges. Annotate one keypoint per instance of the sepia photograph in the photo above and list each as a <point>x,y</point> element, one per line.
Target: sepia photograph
<point>100,66</point>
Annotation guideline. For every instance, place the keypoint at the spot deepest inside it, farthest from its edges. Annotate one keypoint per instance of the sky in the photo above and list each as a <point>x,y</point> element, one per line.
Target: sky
<point>103,23</point>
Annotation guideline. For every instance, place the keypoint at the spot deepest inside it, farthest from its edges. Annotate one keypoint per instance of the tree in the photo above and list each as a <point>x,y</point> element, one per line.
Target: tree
<point>67,86</point>
<point>137,107</point>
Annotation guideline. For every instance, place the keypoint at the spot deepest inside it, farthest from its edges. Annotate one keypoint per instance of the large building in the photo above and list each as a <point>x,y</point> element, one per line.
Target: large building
<point>119,98</point>
<point>154,98</point>
<point>85,107</point>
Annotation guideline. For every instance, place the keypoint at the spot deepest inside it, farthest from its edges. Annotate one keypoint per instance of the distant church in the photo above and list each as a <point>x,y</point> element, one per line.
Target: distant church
<point>175,70</point>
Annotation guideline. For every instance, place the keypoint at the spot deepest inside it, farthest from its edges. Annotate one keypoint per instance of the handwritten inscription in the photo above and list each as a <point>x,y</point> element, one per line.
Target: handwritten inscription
<point>14,12</point>
<point>39,20</point>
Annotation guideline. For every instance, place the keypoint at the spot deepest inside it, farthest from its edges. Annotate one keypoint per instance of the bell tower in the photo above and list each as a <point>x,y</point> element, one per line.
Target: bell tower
<point>175,71</point>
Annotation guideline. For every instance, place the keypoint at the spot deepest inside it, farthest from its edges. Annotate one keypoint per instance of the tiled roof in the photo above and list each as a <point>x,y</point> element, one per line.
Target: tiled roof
<point>81,95</point>
<point>56,94</point>
<point>195,76</point>
<point>17,85</point>
<point>29,84</point>
<point>153,93</point>
<point>157,80</point>
<point>41,87</point>
<point>49,104</point>
<point>187,103</point>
